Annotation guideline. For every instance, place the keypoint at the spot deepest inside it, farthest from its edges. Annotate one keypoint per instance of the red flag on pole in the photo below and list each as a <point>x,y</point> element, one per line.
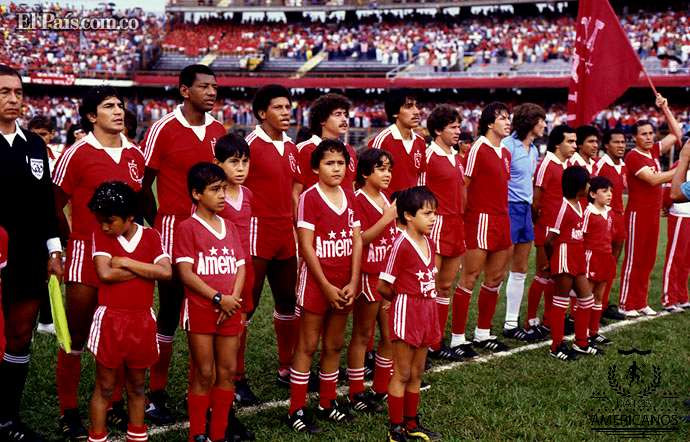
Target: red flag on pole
<point>604,63</point>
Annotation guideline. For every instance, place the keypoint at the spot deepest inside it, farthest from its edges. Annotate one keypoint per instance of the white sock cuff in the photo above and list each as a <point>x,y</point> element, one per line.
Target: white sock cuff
<point>284,317</point>
<point>16,359</point>
<point>442,301</point>
<point>164,339</point>
<point>517,276</point>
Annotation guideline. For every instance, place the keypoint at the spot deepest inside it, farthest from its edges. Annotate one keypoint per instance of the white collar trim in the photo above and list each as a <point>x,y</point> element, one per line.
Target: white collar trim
<point>208,119</point>
<point>220,235</point>
<point>552,157</point>
<point>343,203</point>
<point>427,260</point>
<point>264,136</point>
<point>131,245</point>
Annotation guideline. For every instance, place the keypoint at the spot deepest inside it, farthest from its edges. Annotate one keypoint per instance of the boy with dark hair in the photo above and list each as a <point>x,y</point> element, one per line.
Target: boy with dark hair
<point>528,123</point>
<point>546,201</point>
<point>103,155</point>
<point>408,283</point>
<point>611,166</point>
<point>210,260</point>
<point>328,118</point>
<point>273,176</point>
<point>171,146</point>
<point>564,247</point>
<point>444,177</point>
<point>465,141</point>
<point>129,258</point>
<point>587,147</point>
<point>331,250</point>
<point>487,230</point>
<point>400,139</point>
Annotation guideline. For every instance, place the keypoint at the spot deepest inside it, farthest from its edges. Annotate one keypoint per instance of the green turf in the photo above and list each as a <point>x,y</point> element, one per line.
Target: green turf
<point>525,396</point>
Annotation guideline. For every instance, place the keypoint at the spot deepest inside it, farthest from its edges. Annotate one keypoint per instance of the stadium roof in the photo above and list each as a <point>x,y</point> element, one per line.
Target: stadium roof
<point>221,6</point>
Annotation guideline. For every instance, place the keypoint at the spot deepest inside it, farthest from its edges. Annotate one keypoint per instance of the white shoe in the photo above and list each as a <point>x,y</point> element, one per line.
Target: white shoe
<point>647,311</point>
<point>629,314</point>
<point>685,305</point>
<point>675,308</point>
<point>46,329</point>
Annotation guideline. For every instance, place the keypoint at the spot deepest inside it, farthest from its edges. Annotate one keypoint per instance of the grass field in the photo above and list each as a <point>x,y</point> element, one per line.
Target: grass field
<point>524,395</point>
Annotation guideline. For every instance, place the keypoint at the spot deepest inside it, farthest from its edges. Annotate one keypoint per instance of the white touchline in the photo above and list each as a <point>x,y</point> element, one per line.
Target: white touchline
<point>244,411</point>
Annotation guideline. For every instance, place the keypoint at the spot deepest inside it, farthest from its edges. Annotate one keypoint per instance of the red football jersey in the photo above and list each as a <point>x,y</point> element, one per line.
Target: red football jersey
<point>489,168</point>
<point>408,271</point>
<point>548,177</point>
<point>445,178</point>
<point>408,157</point>
<point>577,160</point>
<point>375,253</point>
<point>239,213</point>
<point>145,246</point>
<point>597,229</point>
<point>308,178</point>
<point>272,170</point>
<point>172,147</point>
<point>332,226</point>
<point>214,256</point>
<point>568,224</point>
<point>642,196</point>
<point>618,174</point>
<point>86,165</point>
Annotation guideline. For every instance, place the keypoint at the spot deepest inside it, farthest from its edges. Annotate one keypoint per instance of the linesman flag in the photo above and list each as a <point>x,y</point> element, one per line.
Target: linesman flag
<point>604,64</point>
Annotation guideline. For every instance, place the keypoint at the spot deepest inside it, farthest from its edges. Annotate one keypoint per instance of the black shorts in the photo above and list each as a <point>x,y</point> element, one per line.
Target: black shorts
<point>24,277</point>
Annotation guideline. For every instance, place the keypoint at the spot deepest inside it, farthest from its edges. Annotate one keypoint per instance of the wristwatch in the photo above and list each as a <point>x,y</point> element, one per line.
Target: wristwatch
<point>216,299</point>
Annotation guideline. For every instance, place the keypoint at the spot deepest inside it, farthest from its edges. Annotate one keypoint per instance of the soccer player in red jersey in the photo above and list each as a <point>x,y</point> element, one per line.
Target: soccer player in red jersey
<point>564,247</point>
<point>642,213</point>
<point>597,230</point>
<point>444,177</point>
<point>487,230</point>
<point>548,195</point>
<point>331,247</point>
<point>611,166</point>
<point>172,145</point>
<point>377,217</point>
<point>400,139</point>
<point>273,175</point>
<point>587,147</point>
<point>129,258</point>
<point>103,155</point>
<point>328,118</point>
<point>210,261</point>
<point>408,283</point>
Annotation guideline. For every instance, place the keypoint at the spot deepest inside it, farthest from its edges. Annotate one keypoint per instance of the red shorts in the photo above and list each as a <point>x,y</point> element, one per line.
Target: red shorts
<point>487,232</point>
<point>167,226</point>
<point>202,320</point>
<point>620,232</point>
<point>367,287</point>
<point>309,295</point>
<point>540,230</point>
<point>79,265</point>
<point>414,319</point>
<point>272,238</point>
<point>120,336</point>
<point>449,235</point>
<point>247,301</point>
<point>568,258</point>
<point>601,267</point>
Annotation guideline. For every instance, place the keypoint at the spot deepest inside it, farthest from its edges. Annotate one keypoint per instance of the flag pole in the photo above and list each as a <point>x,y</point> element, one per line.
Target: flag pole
<point>673,128</point>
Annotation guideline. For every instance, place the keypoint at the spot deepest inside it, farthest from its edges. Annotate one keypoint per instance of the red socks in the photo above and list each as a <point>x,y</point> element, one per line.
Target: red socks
<point>285,326</point>
<point>442,307</point>
<point>328,385</point>
<point>410,407</point>
<point>221,401</point>
<point>136,433</point>
<point>548,301</point>
<point>461,305</point>
<point>68,371</point>
<point>395,409</point>
<point>239,374</point>
<point>197,406</point>
<point>488,297</point>
<point>355,378</point>
<point>299,383</point>
<point>560,305</point>
<point>594,319</point>
<point>97,437</point>
<point>158,374</point>
<point>382,374</point>
<point>534,298</point>
<point>582,315</point>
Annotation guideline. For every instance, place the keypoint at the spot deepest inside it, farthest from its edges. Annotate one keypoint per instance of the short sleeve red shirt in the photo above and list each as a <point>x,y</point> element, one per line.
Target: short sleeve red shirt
<point>272,169</point>
<point>618,174</point>
<point>445,178</point>
<point>374,254</point>
<point>548,177</point>
<point>576,160</point>
<point>215,256</point>
<point>408,271</point>
<point>597,229</point>
<point>144,246</point>
<point>332,226</point>
<point>643,197</point>
<point>172,147</point>
<point>568,224</point>
<point>309,178</point>
<point>408,163</point>
<point>489,168</point>
<point>239,213</point>
<point>85,166</point>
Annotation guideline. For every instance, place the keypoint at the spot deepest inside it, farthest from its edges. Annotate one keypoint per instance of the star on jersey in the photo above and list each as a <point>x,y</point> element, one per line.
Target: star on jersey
<point>384,241</point>
<point>420,275</point>
<point>213,251</point>
<point>351,232</point>
<point>225,250</point>
<point>343,234</point>
<point>392,230</point>
<point>430,274</point>
<point>331,235</point>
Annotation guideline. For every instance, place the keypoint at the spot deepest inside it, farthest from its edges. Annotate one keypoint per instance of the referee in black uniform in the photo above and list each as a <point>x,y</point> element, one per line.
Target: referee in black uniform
<point>27,212</point>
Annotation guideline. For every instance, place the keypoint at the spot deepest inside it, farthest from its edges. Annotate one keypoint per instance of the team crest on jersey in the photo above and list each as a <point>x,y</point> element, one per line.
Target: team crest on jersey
<point>36,167</point>
<point>213,146</point>
<point>417,160</point>
<point>350,218</point>
<point>134,172</point>
<point>293,162</point>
